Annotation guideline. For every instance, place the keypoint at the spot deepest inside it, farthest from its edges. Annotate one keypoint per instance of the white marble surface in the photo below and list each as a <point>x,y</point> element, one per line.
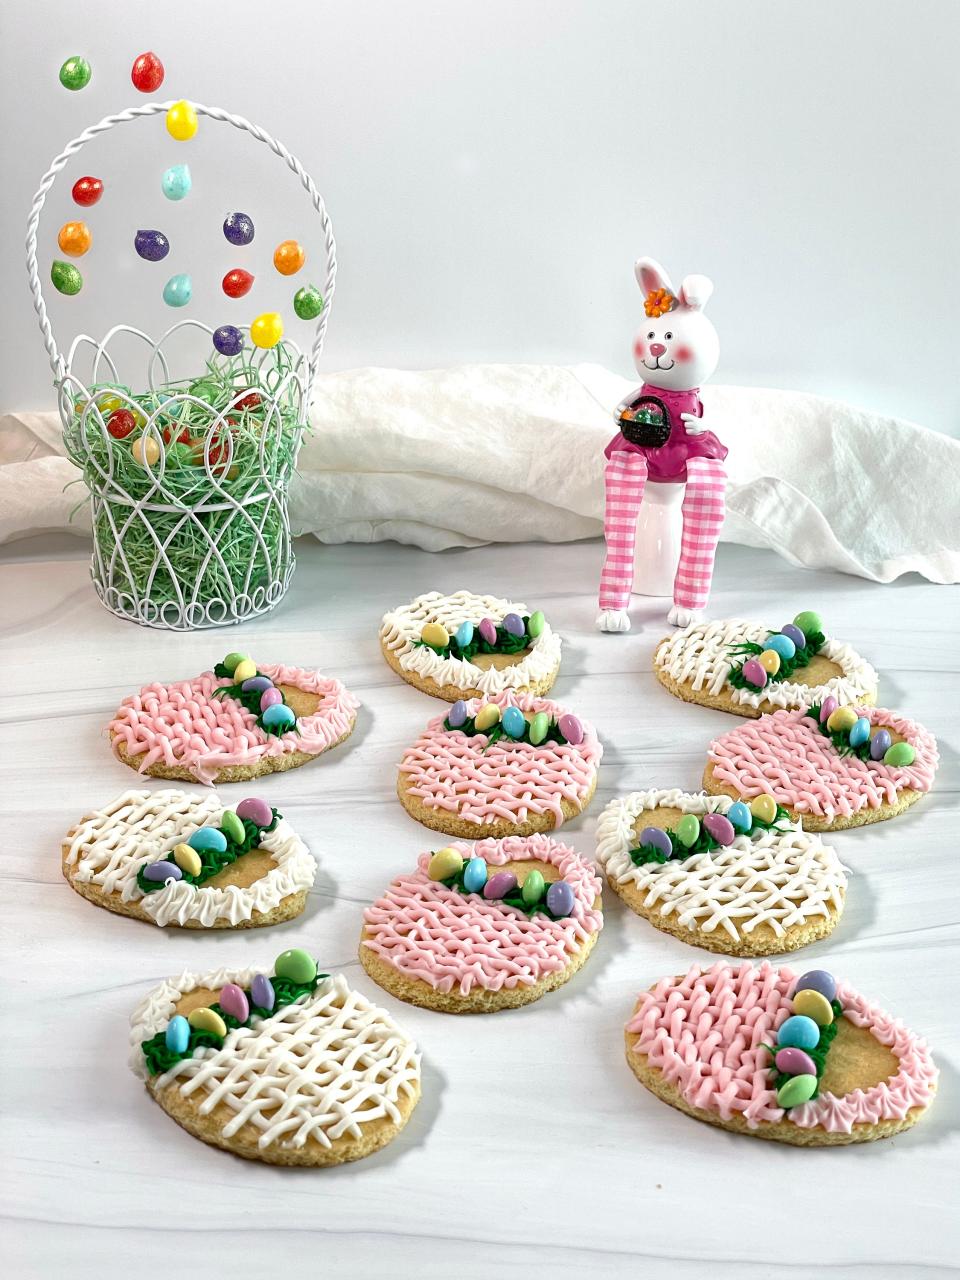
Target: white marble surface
<point>534,1151</point>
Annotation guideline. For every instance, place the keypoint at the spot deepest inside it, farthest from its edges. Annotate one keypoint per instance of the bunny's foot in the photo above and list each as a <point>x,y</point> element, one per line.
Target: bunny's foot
<point>681,617</point>
<point>613,620</point>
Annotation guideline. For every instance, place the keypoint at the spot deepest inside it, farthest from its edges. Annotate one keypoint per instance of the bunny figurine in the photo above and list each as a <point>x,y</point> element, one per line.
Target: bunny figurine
<point>662,440</point>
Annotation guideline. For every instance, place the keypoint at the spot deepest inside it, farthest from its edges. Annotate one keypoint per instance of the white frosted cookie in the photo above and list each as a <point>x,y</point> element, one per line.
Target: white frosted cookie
<point>466,646</point>
<point>182,859</point>
<point>726,879</point>
<point>748,669</point>
<point>287,1066</point>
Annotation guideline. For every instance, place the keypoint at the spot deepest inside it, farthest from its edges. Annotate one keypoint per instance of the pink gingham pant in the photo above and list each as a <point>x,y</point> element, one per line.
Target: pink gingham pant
<point>703,508</point>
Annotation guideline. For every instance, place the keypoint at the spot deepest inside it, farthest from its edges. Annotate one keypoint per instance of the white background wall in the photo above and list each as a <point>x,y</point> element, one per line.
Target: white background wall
<point>493,169</point>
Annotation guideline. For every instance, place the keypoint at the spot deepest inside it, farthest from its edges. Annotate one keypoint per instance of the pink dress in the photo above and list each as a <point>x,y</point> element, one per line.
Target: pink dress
<point>668,462</point>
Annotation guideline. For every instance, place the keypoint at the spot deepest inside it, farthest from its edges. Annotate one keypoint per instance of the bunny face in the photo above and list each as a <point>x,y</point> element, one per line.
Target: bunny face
<point>677,349</point>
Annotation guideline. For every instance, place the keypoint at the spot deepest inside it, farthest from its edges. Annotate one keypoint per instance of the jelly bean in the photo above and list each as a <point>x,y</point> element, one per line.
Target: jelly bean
<point>238,228</point>
<point>256,684</point>
<point>720,827</point>
<point>827,707</point>
<point>842,720</point>
<point>798,1032</point>
<point>782,645</point>
<point>688,830</point>
<point>249,402</point>
<point>464,634</point>
<point>228,340</point>
<point>474,875</point>
<point>560,899</point>
<point>177,1035</point>
<point>181,121</point>
<point>899,755</point>
<point>288,257</point>
<point>232,826</point>
<point>86,191</point>
<point>147,72</point>
<point>256,811</point>
<point>121,423</point>
<point>308,302</point>
<point>793,632</point>
<point>754,674</point>
<point>513,625</point>
<point>233,660</point>
<point>880,744</point>
<point>740,815</point>
<point>270,698</point>
<point>813,1005</point>
<point>435,635</point>
<point>533,886</point>
<point>514,723</point>
<point>65,278</point>
<point>500,884</point>
<point>75,73</point>
<point>487,717</point>
<point>146,451</point>
<point>107,404</point>
<point>457,714</point>
<point>570,728</point>
<point>488,630</point>
<point>279,716</point>
<point>208,838</point>
<point>244,669</point>
<point>797,1090</point>
<point>810,623</point>
<point>233,1000</point>
<point>860,732</point>
<point>267,330</point>
<point>764,808</point>
<point>296,966</point>
<point>74,238</point>
<point>770,661</point>
<point>445,863</point>
<point>151,245</point>
<point>795,1062</point>
<point>535,624</point>
<point>162,871</point>
<point>818,980</point>
<point>237,283</point>
<point>205,1019</point>
<point>188,860</point>
<point>178,291</point>
<point>176,181</point>
<point>262,993</point>
<point>539,728</point>
<point>658,839</point>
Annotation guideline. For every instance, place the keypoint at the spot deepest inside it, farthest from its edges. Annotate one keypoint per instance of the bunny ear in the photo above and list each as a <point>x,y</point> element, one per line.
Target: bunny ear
<point>695,291</point>
<point>650,275</point>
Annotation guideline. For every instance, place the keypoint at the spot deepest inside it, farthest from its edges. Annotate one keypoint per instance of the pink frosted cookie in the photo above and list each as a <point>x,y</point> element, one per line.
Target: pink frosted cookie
<point>829,767</point>
<point>757,1050</point>
<point>474,931</point>
<point>506,766</point>
<point>234,723</point>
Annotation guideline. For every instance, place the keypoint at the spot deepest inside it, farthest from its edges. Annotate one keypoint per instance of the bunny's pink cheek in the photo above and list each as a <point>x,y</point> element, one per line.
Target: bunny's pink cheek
<point>639,349</point>
<point>683,355</point>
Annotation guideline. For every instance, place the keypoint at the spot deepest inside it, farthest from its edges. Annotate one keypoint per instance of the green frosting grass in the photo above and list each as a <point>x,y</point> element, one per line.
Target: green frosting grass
<point>213,861</point>
<point>840,738</point>
<point>749,648</point>
<point>704,843</point>
<point>504,643</point>
<point>819,1054</point>
<point>248,698</point>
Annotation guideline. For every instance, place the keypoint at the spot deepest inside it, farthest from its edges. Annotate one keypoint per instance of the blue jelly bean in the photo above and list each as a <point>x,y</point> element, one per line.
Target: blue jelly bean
<point>177,1035</point>
<point>257,684</point>
<point>464,634</point>
<point>474,875</point>
<point>860,733</point>
<point>208,838</point>
<point>657,838</point>
<point>178,291</point>
<point>262,993</point>
<point>176,181</point>
<point>458,714</point>
<point>162,871</point>
<point>560,898</point>
<point>279,716</point>
<point>799,1032</point>
<point>880,744</point>
<point>514,723</point>
<point>740,815</point>
<point>782,645</point>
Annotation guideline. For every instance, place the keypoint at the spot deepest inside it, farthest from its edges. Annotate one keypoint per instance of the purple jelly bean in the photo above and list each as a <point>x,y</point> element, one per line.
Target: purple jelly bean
<point>458,714</point>
<point>152,246</point>
<point>794,1062</point>
<point>262,992</point>
<point>818,980</point>
<point>513,625</point>
<point>827,707</point>
<point>256,811</point>
<point>560,898</point>
<point>571,728</point>
<point>657,838</point>
<point>488,630</point>
<point>257,684</point>
<point>754,674</point>
<point>880,744</point>
<point>162,871</point>
<point>499,885</point>
<point>228,340</point>
<point>233,1000</point>
<point>238,228</point>
<point>720,827</point>
<point>793,632</point>
<point>270,698</point>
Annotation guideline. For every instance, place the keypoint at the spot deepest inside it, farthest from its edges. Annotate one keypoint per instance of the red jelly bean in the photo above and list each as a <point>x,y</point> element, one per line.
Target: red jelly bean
<point>237,283</point>
<point>250,401</point>
<point>182,438</point>
<point>87,191</point>
<point>120,423</point>
<point>147,73</point>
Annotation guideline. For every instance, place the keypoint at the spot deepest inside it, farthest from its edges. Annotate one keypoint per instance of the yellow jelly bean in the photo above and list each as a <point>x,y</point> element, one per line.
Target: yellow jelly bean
<point>181,121</point>
<point>207,1020</point>
<point>244,670</point>
<point>444,863</point>
<point>187,859</point>
<point>842,719</point>
<point>813,1005</point>
<point>770,661</point>
<point>764,808</point>
<point>74,238</point>
<point>267,330</point>
<point>435,634</point>
<point>487,716</point>
<point>108,404</point>
<point>146,451</point>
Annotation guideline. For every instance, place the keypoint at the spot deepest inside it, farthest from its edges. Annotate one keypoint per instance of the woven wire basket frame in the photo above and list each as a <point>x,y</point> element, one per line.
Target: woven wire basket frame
<point>185,612</point>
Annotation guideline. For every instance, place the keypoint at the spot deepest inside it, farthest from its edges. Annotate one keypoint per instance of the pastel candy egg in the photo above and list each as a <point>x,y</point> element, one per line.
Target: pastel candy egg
<point>238,228</point>
<point>233,660</point>
<point>152,246</point>
<point>457,714</point>
<point>161,871</point>
<point>474,875</point>
<point>500,884</point>
<point>560,899</point>
<point>181,121</point>
<point>177,1035</point>
<point>278,716</point>
<point>688,829</point>
<point>797,1090</point>
<point>754,673</point>
<point>464,634</point>
<point>764,808</point>
<point>795,1062</point>
<point>657,839</point>
<point>178,291</point>
<point>256,811</point>
<point>513,625</point>
<point>770,661</point>
<point>188,860</point>
<point>232,827</point>
<point>818,980</point>
<point>827,707</point>
<point>444,864</point>
<point>535,624</point>
<point>270,698</point>
<point>262,993</point>
<point>296,966</point>
<point>176,181</point>
<point>435,634</point>
<point>798,1032</point>
<point>488,630</point>
<point>842,720</point>
<point>267,330</point>
<point>514,722</point>
<point>860,732</point>
<point>245,669</point>
<point>228,340</point>
<point>257,683</point>
<point>205,1019</point>
<point>720,827</point>
<point>880,744</point>
<point>308,302</point>
<point>813,1005</point>
<point>793,632</point>
<point>487,717</point>
<point>809,622</point>
<point>782,645</point>
<point>571,728</point>
<point>539,728</point>
<point>740,816</point>
<point>208,838</point>
<point>533,885</point>
<point>233,1000</point>
<point>900,754</point>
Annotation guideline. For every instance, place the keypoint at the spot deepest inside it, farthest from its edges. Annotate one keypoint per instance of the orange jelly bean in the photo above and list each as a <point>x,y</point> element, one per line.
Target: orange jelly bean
<point>74,239</point>
<point>289,257</point>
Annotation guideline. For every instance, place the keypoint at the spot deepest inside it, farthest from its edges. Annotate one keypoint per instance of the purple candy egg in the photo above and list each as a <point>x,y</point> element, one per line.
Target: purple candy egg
<point>560,898</point>
<point>457,714</point>
<point>256,811</point>
<point>228,340</point>
<point>162,871</point>
<point>233,1000</point>
<point>657,838</point>
<point>793,632</point>
<point>262,992</point>
<point>571,728</point>
<point>257,684</point>
<point>880,744</point>
<point>513,624</point>
<point>151,245</point>
<point>488,630</point>
<point>269,698</point>
<point>720,827</point>
<point>795,1062</point>
<point>499,885</point>
<point>754,674</point>
<point>238,228</point>
<point>818,980</point>
<point>827,707</point>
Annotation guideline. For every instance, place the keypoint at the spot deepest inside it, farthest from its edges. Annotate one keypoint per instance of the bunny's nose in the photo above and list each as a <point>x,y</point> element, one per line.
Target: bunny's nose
<point>657,349</point>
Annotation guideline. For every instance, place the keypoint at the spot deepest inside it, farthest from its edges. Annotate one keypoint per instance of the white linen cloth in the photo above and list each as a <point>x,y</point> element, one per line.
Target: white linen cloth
<point>510,453</point>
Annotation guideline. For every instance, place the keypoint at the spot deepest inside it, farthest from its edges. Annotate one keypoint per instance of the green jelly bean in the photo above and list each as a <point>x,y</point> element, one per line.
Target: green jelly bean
<point>75,73</point>
<point>308,302</point>
<point>66,278</point>
<point>532,890</point>
<point>232,827</point>
<point>299,966</point>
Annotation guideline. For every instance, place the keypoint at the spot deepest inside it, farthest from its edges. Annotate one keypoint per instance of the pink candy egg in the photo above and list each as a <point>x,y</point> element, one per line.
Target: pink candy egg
<point>795,1062</point>
<point>827,708</point>
<point>754,673</point>
<point>488,630</point>
<point>270,698</point>
<point>233,1000</point>
<point>499,885</point>
<point>720,827</point>
<point>256,811</point>
<point>571,728</point>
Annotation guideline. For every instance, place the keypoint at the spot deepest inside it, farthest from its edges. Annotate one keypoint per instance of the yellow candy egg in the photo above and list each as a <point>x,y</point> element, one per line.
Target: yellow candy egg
<point>74,238</point>
<point>244,670</point>
<point>487,716</point>
<point>181,121</point>
<point>207,1020</point>
<point>813,1005</point>
<point>764,808</point>
<point>444,863</point>
<point>770,661</point>
<point>842,719</point>
<point>435,634</point>
<point>267,330</point>
<point>146,451</point>
<point>187,859</point>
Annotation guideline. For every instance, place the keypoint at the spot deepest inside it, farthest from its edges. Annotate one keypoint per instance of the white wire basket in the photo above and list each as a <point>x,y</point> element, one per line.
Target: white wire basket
<point>190,509</point>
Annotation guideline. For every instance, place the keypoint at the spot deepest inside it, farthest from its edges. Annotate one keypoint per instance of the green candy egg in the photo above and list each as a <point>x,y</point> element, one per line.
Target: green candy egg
<point>232,827</point>
<point>308,302</point>
<point>901,753</point>
<point>808,622</point>
<point>688,829</point>
<point>532,890</point>
<point>797,1089</point>
<point>535,624</point>
<point>296,965</point>
<point>539,727</point>
<point>65,278</point>
<point>233,660</point>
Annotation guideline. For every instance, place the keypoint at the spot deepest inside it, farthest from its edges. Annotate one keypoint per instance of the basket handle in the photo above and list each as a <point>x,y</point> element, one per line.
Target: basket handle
<point>57,361</point>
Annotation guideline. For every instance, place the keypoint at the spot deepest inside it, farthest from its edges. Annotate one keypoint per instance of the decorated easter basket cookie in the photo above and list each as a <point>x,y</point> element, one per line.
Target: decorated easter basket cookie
<point>510,765</point>
<point>469,646</point>
<point>756,1050</point>
<point>287,1066</point>
<point>234,723</point>
<point>721,874</point>
<point>831,767</point>
<point>185,860</point>
<point>747,669</point>
<point>474,931</point>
